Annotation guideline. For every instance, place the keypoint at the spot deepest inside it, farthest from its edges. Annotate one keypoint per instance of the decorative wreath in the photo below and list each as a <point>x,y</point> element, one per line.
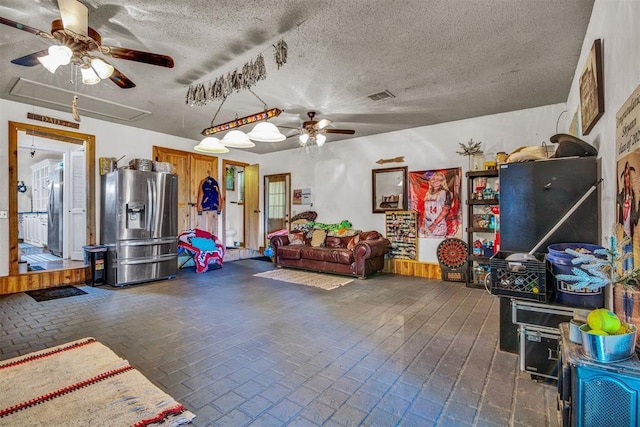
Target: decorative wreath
<point>452,253</point>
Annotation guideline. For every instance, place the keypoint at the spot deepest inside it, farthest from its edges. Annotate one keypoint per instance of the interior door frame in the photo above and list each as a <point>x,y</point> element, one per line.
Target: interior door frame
<point>287,180</point>
<point>16,281</point>
<point>223,186</point>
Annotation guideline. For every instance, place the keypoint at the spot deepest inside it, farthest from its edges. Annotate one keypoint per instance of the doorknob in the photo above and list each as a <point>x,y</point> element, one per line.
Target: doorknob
<point>256,211</point>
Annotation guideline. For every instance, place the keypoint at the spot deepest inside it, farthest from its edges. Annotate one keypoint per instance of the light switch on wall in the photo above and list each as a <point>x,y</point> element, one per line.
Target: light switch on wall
<point>3,214</point>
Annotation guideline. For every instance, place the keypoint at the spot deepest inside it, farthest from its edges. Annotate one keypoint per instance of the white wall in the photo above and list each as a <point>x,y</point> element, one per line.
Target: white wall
<point>339,173</point>
<point>615,22</point>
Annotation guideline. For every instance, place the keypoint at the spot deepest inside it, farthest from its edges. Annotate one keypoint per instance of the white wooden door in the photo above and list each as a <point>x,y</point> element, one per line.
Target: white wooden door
<point>76,225</point>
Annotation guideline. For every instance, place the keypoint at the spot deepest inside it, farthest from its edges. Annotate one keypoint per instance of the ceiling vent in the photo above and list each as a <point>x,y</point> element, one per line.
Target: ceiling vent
<point>382,95</point>
<point>88,104</point>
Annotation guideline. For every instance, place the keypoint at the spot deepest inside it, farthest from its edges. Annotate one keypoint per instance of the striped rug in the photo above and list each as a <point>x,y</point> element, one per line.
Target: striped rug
<point>82,383</point>
<point>307,278</point>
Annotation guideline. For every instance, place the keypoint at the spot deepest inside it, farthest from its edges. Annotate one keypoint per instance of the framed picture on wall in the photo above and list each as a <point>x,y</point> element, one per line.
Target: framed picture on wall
<point>389,189</point>
<point>592,89</point>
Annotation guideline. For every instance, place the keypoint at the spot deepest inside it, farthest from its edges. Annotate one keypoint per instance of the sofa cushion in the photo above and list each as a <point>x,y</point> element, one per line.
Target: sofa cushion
<point>317,238</point>
<point>353,241</point>
<point>370,235</point>
<point>296,239</point>
<point>290,251</point>
<point>337,255</point>
<point>334,242</point>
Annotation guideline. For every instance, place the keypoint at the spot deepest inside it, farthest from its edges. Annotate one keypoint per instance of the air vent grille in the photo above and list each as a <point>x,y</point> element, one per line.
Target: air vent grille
<point>382,95</point>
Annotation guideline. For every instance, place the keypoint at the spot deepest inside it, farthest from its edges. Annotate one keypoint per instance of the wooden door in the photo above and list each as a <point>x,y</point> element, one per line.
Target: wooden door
<point>277,203</point>
<point>202,166</point>
<point>191,168</point>
<point>252,206</point>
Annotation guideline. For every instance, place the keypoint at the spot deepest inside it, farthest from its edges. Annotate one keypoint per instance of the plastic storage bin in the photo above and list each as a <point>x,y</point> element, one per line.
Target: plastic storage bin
<point>560,262</point>
<point>519,279</point>
<point>94,256</point>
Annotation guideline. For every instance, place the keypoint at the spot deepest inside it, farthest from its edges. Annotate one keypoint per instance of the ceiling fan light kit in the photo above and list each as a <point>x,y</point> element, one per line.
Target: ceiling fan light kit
<point>313,131</point>
<point>211,144</point>
<point>76,43</point>
<point>58,55</point>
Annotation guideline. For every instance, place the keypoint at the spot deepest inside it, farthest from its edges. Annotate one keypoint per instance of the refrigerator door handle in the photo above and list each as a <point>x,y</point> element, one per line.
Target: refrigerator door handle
<point>148,242</point>
<point>160,258</point>
<point>150,204</point>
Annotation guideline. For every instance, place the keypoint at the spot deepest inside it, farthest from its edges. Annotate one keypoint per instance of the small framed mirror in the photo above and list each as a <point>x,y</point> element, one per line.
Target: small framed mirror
<point>389,189</point>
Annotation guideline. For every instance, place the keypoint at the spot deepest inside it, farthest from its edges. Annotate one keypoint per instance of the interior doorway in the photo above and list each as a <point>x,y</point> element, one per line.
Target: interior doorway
<point>84,229</point>
<point>233,214</point>
<point>277,190</point>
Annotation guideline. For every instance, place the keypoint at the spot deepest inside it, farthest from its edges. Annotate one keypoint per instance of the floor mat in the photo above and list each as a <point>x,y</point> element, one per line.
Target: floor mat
<point>36,268</point>
<point>317,280</point>
<point>36,258</point>
<point>55,293</point>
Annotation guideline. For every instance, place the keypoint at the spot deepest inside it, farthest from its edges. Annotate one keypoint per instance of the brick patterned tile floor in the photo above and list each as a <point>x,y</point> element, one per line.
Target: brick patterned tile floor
<point>241,350</point>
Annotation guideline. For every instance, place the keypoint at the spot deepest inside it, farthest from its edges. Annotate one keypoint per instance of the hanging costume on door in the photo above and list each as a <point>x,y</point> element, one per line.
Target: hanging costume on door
<point>209,205</point>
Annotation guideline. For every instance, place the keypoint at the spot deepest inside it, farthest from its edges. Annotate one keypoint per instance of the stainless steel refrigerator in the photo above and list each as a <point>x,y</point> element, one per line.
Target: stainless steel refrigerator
<point>139,225</point>
<point>55,212</point>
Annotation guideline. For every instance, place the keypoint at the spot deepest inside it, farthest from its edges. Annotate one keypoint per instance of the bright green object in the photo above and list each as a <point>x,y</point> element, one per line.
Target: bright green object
<point>603,319</point>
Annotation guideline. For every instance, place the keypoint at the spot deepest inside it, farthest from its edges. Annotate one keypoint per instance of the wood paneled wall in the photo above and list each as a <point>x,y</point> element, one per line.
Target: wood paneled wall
<point>43,279</point>
<point>406,267</point>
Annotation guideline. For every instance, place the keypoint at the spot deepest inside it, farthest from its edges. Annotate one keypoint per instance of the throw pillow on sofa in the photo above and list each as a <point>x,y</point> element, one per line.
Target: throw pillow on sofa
<point>296,239</point>
<point>317,239</point>
<point>353,242</point>
<point>334,242</point>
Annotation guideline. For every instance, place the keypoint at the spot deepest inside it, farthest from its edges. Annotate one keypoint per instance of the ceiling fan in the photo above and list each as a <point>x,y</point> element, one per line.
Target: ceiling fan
<point>76,44</point>
<point>312,130</point>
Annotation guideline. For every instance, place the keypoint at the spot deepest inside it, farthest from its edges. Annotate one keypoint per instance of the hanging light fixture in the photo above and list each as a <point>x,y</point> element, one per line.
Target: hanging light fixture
<point>237,139</point>
<point>211,144</point>
<point>266,132</point>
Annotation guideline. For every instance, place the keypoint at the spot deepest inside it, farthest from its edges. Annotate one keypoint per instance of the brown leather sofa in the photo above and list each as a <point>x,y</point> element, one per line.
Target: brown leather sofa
<point>339,255</point>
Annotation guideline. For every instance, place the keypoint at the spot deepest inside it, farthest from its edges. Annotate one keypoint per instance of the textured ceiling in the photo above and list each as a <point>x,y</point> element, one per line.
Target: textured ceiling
<point>443,60</point>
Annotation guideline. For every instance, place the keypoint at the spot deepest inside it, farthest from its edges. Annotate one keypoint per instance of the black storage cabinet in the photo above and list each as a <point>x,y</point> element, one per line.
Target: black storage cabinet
<point>534,196</point>
<point>94,257</point>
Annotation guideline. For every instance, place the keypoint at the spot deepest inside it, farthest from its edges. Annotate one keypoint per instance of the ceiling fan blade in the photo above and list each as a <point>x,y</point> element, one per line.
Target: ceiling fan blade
<point>26,28</point>
<point>323,123</point>
<point>30,60</point>
<point>121,80</point>
<point>342,131</point>
<point>137,55</point>
<point>75,16</point>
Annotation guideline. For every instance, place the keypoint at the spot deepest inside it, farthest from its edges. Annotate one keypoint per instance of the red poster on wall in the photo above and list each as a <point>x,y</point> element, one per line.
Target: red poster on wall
<point>435,195</point>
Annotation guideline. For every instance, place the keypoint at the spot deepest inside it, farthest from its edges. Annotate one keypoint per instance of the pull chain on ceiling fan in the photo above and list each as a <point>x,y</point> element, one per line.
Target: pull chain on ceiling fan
<point>76,44</point>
